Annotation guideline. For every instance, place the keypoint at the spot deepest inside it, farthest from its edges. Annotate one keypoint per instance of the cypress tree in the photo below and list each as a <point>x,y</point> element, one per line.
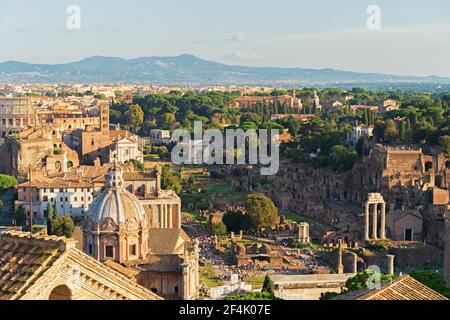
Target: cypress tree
<point>55,209</point>
<point>49,219</point>
<point>268,285</point>
<point>366,117</point>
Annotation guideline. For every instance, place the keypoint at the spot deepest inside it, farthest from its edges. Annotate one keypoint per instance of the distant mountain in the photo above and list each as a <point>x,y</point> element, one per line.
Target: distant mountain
<point>188,69</point>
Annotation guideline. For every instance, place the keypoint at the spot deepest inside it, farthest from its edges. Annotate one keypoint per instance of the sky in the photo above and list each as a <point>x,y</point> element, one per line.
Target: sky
<point>413,39</point>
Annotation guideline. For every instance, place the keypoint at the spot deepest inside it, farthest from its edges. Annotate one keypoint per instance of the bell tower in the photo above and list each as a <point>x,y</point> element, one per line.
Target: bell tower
<point>104,119</point>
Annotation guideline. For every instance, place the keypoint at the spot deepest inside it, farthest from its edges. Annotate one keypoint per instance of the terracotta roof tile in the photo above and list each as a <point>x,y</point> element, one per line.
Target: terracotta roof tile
<point>24,258</point>
<point>166,241</point>
<point>402,288</point>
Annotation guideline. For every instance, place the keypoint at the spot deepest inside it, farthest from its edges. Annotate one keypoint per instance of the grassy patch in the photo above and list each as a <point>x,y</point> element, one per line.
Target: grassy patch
<point>192,215</point>
<point>208,276</point>
<point>218,188</point>
<point>255,281</point>
<point>297,218</point>
<point>152,157</point>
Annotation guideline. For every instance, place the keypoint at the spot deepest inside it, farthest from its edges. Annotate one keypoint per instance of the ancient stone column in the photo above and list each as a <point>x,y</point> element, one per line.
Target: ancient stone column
<point>355,262</point>
<point>390,263</point>
<point>366,226</point>
<point>170,216</point>
<point>340,265</point>
<point>167,216</point>
<point>375,222</point>
<point>383,221</point>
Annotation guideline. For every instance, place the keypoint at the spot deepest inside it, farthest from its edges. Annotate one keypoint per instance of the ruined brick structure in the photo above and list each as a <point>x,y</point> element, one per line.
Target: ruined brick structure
<point>405,177</point>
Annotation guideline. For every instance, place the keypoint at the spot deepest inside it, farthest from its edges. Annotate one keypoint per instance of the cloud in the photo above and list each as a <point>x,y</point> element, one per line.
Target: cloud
<point>239,37</point>
<point>240,55</point>
<point>408,50</point>
<point>203,41</point>
<point>115,29</point>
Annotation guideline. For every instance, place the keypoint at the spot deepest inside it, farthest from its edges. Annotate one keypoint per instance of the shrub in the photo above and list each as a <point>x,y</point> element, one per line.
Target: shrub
<point>217,228</point>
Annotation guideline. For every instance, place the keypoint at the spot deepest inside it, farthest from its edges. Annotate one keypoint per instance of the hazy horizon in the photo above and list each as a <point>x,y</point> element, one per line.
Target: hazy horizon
<point>230,64</point>
<point>414,38</point>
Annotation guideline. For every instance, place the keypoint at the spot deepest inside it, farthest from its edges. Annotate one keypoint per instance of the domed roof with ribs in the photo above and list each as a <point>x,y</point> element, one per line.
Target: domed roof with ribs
<point>116,202</point>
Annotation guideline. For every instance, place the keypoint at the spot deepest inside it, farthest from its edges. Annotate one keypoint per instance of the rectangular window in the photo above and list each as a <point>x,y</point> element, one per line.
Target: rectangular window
<point>133,249</point>
<point>90,248</point>
<point>109,251</point>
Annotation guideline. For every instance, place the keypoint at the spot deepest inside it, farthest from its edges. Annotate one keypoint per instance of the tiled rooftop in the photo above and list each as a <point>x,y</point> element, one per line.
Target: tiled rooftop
<point>23,258</point>
<point>402,288</point>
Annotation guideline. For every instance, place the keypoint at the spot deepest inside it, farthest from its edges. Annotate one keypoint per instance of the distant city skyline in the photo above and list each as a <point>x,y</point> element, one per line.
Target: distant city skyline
<point>414,38</point>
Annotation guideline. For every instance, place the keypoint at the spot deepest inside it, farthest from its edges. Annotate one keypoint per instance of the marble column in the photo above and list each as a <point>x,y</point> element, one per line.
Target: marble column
<point>340,265</point>
<point>375,222</point>
<point>383,221</point>
<point>167,216</point>
<point>390,263</point>
<point>355,263</point>
<point>164,216</point>
<point>170,216</point>
<point>366,226</point>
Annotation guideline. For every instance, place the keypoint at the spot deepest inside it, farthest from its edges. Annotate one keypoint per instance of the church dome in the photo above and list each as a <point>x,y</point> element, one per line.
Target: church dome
<point>116,202</point>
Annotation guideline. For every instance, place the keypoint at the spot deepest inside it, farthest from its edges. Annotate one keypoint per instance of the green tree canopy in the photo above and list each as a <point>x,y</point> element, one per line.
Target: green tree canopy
<point>268,285</point>
<point>20,216</point>
<point>444,142</point>
<point>218,228</point>
<point>134,116</point>
<point>362,279</point>
<point>170,180</point>
<point>63,226</point>
<point>168,120</point>
<point>7,181</point>
<point>342,158</point>
<point>261,210</point>
<point>433,280</point>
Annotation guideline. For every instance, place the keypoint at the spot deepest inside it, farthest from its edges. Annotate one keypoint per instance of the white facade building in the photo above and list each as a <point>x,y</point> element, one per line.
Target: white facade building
<point>72,197</point>
<point>358,132</point>
<point>124,150</point>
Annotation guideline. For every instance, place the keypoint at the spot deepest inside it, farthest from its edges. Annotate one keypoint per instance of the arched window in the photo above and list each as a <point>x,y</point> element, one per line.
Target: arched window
<point>428,165</point>
<point>62,292</point>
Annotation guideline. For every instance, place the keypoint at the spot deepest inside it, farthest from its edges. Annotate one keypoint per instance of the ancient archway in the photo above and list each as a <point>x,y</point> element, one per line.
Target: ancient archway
<point>61,292</point>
